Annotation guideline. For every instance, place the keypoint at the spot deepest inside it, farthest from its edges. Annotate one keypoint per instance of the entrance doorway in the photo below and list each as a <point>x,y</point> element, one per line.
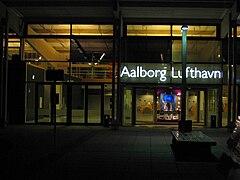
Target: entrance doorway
<point>145,106</point>
<point>195,106</point>
<point>74,103</point>
<point>164,105</point>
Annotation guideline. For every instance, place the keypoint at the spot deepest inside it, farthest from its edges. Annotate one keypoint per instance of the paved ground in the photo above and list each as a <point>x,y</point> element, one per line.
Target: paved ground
<point>28,152</point>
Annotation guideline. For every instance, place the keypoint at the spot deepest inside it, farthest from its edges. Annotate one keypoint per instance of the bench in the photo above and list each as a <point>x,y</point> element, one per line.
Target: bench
<point>193,145</point>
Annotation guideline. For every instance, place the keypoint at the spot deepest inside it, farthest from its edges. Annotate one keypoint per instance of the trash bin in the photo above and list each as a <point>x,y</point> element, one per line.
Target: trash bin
<point>106,120</point>
<point>185,126</point>
<point>213,121</point>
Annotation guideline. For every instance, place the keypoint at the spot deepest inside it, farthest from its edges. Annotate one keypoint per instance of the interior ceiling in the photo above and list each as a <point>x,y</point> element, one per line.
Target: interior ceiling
<point>132,11</point>
<point>76,10</point>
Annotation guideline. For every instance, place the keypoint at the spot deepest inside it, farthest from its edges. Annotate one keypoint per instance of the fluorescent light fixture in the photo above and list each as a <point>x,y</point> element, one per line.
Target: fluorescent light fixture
<point>102,56</point>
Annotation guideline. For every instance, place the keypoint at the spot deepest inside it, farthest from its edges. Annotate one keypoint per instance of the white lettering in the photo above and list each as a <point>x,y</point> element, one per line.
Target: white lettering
<point>133,73</point>
<point>210,74</point>
<point>173,74</point>
<point>218,74</point>
<point>124,72</point>
<point>151,73</point>
<point>187,71</point>
<point>204,74</point>
<point>140,72</point>
<point>197,73</point>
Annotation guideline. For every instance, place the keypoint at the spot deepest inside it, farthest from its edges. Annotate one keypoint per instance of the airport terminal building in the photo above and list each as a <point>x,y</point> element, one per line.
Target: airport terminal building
<point>138,62</point>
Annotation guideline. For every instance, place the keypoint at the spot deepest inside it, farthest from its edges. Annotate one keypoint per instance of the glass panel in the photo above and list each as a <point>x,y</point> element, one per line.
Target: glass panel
<point>30,114</point>
<point>61,101</point>
<point>13,47</point>
<point>212,105</point>
<point>195,109</point>
<point>224,106</point>
<point>148,50</point>
<point>94,104</point>
<point>47,49</point>
<point>92,59</point>
<point>92,29</point>
<point>238,31</point>
<point>197,51</point>
<point>48,29</point>
<point>127,107</point>
<point>36,70</point>
<point>35,73</point>
<point>91,50</point>
<point>148,30</point>
<point>44,105</point>
<point>86,72</point>
<point>196,31</point>
<point>78,103</point>
<point>202,107</point>
<point>107,99</point>
<point>144,106</point>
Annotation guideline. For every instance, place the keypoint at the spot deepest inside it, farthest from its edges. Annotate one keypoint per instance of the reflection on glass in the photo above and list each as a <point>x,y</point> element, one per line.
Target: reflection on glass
<point>148,30</point>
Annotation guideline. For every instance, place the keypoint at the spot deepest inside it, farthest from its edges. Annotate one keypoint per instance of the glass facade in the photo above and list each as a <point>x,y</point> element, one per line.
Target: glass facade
<point>198,51</point>
<point>148,30</point>
<point>196,31</point>
<point>85,52</point>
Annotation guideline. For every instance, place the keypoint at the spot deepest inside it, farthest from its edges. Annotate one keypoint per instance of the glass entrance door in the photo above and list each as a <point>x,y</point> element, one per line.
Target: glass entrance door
<point>44,102</point>
<point>212,110</point>
<point>195,106</point>
<point>94,104</point>
<point>144,106</point>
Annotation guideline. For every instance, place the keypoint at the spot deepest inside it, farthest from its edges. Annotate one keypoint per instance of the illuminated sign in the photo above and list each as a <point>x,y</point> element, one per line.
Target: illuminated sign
<point>165,73</point>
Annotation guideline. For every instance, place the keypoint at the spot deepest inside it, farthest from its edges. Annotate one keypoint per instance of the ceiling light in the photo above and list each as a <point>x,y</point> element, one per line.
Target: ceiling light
<point>102,56</point>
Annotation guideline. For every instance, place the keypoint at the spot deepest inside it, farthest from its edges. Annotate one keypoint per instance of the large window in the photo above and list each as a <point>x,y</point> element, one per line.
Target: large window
<point>47,49</point>
<point>195,31</point>
<point>49,29</point>
<point>168,30</point>
<point>238,31</point>
<point>147,50</point>
<point>92,29</point>
<point>148,30</point>
<point>198,51</point>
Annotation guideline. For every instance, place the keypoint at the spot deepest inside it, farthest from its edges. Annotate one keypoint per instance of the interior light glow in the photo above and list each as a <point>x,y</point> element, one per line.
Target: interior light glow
<point>184,27</point>
<point>102,56</point>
